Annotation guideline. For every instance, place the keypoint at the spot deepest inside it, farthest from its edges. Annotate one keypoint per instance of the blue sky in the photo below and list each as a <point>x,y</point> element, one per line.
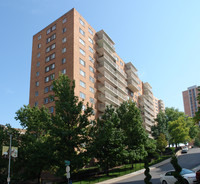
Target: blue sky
<point>161,38</point>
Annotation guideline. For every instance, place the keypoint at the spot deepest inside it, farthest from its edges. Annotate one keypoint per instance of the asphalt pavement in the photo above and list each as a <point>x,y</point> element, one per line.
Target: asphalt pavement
<point>127,176</point>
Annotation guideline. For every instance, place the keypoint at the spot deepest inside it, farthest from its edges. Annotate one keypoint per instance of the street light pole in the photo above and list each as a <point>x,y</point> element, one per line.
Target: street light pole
<point>8,179</point>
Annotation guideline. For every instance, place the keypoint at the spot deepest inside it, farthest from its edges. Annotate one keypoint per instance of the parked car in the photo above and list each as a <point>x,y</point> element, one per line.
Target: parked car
<point>188,175</point>
<point>184,150</point>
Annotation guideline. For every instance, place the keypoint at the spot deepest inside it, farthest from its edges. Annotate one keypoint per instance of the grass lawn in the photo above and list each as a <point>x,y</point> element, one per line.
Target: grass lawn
<point>120,171</point>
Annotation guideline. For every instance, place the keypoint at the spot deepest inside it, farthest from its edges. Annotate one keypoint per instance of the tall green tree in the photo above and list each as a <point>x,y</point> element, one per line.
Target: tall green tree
<point>70,127</point>
<point>135,134</point>
<point>173,114</point>
<point>161,143</point>
<point>161,126</point>
<point>35,145</point>
<point>179,131</point>
<point>108,140</point>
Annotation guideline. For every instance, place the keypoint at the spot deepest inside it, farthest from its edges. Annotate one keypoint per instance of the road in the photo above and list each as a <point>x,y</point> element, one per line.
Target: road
<point>189,161</point>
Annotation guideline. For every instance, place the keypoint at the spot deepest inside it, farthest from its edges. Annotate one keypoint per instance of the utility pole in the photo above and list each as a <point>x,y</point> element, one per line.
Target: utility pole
<point>8,179</point>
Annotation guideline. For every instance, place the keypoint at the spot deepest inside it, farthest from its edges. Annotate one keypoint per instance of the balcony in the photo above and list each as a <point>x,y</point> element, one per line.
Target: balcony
<point>105,76</point>
<point>107,87</point>
<point>107,98</point>
<point>121,79</point>
<point>133,85</point>
<point>105,39</point>
<point>146,115</point>
<point>144,101</point>
<point>104,66</point>
<point>102,106</point>
<point>102,48</point>
<point>149,123</point>
<point>149,110</point>
<point>148,128</point>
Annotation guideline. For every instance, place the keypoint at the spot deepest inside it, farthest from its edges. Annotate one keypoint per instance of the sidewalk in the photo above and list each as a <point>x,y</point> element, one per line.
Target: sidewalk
<point>112,181</point>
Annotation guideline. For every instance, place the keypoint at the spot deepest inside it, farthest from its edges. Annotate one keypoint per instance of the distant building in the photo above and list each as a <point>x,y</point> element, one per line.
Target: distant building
<point>190,101</point>
<point>72,47</point>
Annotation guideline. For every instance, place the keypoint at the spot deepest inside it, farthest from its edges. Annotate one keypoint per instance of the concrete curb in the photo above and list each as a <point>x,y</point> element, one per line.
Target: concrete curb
<point>112,181</point>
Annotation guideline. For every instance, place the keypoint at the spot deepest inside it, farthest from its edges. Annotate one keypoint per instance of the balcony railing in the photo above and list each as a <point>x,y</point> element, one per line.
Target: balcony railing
<point>103,47</point>
<point>133,85</point>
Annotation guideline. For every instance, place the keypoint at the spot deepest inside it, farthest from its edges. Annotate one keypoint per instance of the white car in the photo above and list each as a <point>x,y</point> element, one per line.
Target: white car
<point>168,178</point>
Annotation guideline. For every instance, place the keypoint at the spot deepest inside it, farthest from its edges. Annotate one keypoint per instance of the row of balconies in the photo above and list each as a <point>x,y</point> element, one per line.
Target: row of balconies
<point>104,37</point>
<point>147,115</point>
<point>106,86</point>
<point>133,85</point>
<point>149,110</point>
<point>106,76</point>
<point>149,123</point>
<point>106,58</point>
<point>144,101</point>
<point>108,98</point>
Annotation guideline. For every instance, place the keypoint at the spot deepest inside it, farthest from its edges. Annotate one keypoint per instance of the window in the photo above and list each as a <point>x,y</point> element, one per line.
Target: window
<point>82,62</point>
<point>46,89</point>
<point>81,41</point>
<point>36,93</point>
<point>64,30</point>
<point>39,45</point>
<point>121,63</point>
<point>36,104</point>
<point>91,89</point>
<point>51,109</point>
<point>51,88</point>
<point>38,55</point>
<point>82,84</point>
<point>90,40</point>
<point>82,51</point>
<point>82,95</point>
<point>46,100</point>
<point>52,76</point>
<point>82,73</point>
<point>47,59</point>
<point>50,57</point>
<point>91,69</point>
<point>47,49</point>
<point>39,37</point>
<point>53,56</point>
<point>82,23</point>
<point>51,29</point>
<point>64,50</point>
<point>47,69</point>
<point>47,79</point>
<point>53,46</point>
<point>92,100</point>
<point>64,40</point>
<point>81,31</point>
<point>63,60</point>
<point>90,31</point>
<point>37,83</point>
<point>52,66</point>
<point>91,79</point>
<point>48,30</point>
<point>91,50</point>
<point>64,20</point>
<point>38,64</point>
<point>37,74</point>
<point>91,59</point>
<point>63,71</point>
<point>52,37</point>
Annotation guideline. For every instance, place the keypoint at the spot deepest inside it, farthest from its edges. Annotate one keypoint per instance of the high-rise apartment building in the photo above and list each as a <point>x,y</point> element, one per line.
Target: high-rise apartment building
<point>190,101</point>
<point>71,46</point>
